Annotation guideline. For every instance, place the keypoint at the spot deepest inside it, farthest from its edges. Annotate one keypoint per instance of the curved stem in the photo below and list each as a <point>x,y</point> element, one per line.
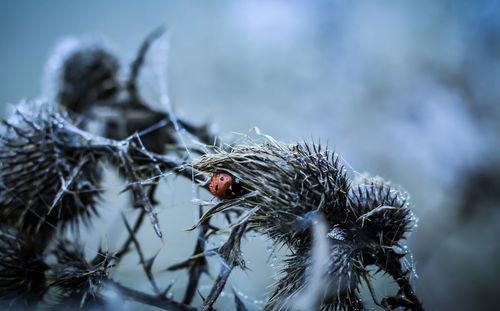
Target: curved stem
<point>158,301</point>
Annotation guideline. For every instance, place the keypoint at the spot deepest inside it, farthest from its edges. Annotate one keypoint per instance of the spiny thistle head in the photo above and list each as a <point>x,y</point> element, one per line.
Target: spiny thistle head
<point>74,281</point>
<point>382,211</point>
<point>22,269</point>
<point>285,185</point>
<point>282,189</point>
<point>47,178</point>
<point>282,185</point>
<point>88,74</point>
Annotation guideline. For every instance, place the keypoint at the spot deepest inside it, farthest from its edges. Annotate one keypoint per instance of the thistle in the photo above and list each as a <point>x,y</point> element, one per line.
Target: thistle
<point>49,181</point>
<point>88,85</point>
<point>74,281</point>
<point>284,188</point>
<point>88,74</point>
<point>47,178</point>
<point>22,269</point>
<point>88,88</point>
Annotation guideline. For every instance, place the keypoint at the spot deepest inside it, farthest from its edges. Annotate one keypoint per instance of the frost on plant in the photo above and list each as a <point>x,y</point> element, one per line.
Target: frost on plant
<point>285,188</point>
<point>297,195</point>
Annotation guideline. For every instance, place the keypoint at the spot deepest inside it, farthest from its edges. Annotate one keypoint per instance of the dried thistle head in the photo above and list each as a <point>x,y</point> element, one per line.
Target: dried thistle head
<point>282,186</point>
<point>88,74</point>
<point>22,269</point>
<point>285,187</point>
<point>74,281</point>
<point>382,211</point>
<point>47,177</point>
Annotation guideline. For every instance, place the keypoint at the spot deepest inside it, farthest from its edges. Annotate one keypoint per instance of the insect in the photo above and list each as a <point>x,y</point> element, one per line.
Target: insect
<point>224,186</point>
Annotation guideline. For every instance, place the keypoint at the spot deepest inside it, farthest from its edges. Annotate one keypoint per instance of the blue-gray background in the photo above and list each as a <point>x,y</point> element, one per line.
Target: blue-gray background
<point>406,90</point>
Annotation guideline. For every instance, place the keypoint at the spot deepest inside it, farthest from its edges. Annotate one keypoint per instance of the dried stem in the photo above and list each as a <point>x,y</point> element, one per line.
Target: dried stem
<point>159,301</point>
<point>230,254</point>
<point>138,62</point>
<point>141,198</point>
<point>240,306</point>
<point>196,264</point>
<point>146,264</point>
<point>389,261</point>
<point>125,248</point>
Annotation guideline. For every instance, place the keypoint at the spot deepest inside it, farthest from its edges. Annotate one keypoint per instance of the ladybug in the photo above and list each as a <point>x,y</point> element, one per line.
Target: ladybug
<point>224,186</point>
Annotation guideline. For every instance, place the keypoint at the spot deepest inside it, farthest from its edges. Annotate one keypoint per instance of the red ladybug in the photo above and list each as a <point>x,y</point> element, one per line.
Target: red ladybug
<point>224,186</point>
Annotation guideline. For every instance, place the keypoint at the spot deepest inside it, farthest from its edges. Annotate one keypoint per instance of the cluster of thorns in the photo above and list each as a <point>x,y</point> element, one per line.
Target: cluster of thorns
<point>299,196</point>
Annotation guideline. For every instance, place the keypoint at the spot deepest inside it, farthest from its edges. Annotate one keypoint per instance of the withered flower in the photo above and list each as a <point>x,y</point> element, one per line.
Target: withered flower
<point>47,177</point>
<point>285,188</point>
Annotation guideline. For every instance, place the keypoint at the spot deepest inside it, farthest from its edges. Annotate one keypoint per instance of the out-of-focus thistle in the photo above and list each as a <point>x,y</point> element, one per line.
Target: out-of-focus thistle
<point>88,86</point>
<point>51,170</point>
<point>48,177</point>
<point>22,269</point>
<point>89,75</point>
<point>283,189</point>
<point>75,282</point>
<point>299,195</point>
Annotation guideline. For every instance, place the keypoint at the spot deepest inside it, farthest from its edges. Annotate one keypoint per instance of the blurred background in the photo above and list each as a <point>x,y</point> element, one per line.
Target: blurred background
<point>409,91</point>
